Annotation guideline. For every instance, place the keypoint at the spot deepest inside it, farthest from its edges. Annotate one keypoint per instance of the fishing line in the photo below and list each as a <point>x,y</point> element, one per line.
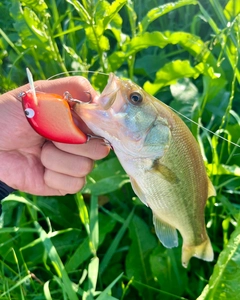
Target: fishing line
<point>77,72</point>
<point>201,126</point>
<point>182,115</point>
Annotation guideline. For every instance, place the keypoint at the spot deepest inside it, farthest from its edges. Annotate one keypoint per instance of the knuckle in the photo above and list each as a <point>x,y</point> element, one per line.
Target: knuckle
<point>47,177</point>
<point>85,167</point>
<point>89,166</point>
<point>76,185</point>
<point>63,183</point>
<point>46,153</point>
<point>99,150</point>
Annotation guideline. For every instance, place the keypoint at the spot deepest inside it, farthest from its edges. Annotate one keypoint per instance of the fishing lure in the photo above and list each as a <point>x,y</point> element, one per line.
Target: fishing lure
<point>50,115</point>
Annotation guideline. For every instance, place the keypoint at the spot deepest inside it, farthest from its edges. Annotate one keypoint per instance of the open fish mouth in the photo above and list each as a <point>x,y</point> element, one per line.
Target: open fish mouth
<point>109,94</point>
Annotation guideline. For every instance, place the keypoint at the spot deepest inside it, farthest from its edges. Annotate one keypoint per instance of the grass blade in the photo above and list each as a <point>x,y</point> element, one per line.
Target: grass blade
<point>18,284</point>
<point>46,291</point>
<point>56,262</point>
<point>94,228</point>
<point>113,247</point>
<point>104,294</point>
<point>83,213</point>
<point>92,278</point>
<point>79,256</point>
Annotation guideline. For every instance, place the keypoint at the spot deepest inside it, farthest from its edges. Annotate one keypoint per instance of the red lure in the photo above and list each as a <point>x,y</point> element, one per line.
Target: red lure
<point>50,116</point>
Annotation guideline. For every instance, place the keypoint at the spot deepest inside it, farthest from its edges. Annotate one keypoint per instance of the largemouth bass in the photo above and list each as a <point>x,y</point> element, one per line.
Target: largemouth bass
<point>162,158</point>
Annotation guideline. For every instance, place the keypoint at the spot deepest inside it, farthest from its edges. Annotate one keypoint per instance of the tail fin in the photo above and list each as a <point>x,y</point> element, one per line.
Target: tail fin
<point>203,251</point>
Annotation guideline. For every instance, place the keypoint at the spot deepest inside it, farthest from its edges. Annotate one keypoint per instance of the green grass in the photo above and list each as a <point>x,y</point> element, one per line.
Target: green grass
<point>101,244</point>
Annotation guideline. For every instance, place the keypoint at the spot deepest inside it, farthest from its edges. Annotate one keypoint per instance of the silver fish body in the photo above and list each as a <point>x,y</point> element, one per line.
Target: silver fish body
<point>162,158</point>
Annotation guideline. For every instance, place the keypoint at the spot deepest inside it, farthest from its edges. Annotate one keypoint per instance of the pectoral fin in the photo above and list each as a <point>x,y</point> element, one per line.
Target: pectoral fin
<point>138,191</point>
<point>165,172</point>
<point>166,233</point>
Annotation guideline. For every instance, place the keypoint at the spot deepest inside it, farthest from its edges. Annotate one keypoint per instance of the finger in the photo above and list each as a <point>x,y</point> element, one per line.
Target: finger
<point>63,183</point>
<point>79,87</point>
<point>94,149</point>
<point>63,162</point>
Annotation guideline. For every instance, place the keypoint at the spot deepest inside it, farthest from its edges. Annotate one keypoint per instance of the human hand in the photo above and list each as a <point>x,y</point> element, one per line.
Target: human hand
<point>30,163</point>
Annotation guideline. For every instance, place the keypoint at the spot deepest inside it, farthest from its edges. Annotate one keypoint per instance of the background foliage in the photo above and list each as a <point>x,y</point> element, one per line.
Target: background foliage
<point>101,244</point>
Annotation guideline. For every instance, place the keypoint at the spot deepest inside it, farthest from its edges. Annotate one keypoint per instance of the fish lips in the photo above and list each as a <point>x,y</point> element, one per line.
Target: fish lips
<point>111,97</point>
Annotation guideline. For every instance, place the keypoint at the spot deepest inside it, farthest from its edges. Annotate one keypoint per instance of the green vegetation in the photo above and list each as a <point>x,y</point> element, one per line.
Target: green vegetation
<point>101,244</point>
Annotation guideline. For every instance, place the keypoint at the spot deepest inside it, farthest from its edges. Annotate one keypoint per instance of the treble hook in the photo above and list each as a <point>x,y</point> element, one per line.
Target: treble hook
<point>105,142</point>
<point>68,97</point>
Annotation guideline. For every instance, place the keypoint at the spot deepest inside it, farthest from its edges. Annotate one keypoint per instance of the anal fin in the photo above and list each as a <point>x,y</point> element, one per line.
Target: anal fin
<point>166,233</point>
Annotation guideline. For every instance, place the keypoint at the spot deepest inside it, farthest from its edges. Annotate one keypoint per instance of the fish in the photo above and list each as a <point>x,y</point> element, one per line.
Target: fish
<point>161,157</point>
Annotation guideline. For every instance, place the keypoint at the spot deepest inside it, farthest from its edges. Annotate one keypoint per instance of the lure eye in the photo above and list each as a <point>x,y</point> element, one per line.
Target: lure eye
<point>29,113</point>
<point>136,98</point>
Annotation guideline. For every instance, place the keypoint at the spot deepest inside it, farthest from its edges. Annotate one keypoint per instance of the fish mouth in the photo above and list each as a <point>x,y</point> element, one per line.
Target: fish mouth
<point>109,94</point>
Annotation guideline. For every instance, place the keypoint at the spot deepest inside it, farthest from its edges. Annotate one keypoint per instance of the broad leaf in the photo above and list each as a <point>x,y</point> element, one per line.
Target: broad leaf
<point>222,169</point>
<point>232,9</point>
<point>173,71</point>
<point>29,26</point>
<point>190,42</point>
<point>167,268</point>
<point>56,208</point>
<point>107,168</point>
<point>81,10</point>
<point>161,10</point>
<point>106,185</point>
<point>112,11</point>
<point>96,39</point>
<point>186,101</point>
<point>37,6</point>
<point>224,282</point>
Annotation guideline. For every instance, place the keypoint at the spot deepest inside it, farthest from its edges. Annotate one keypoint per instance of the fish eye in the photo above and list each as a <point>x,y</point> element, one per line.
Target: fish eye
<point>135,98</point>
<point>29,113</point>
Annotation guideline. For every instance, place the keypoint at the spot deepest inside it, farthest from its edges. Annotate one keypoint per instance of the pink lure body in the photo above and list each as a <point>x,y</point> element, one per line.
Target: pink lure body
<point>51,118</point>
